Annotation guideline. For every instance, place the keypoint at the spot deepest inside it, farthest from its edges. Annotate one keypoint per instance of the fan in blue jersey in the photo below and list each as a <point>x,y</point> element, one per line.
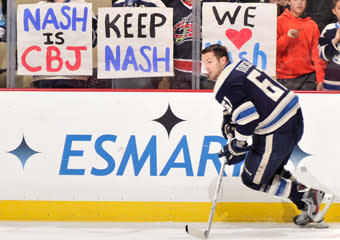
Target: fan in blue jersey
<point>329,50</point>
<point>2,26</point>
<point>257,106</point>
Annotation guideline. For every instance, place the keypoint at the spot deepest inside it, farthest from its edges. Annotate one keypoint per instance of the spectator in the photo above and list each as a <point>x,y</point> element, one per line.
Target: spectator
<point>2,27</point>
<point>329,49</point>
<point>182,32</point>
<point>137,83</point>
<point>298,64</point>
<point>321,12</point>
<point>66,81</point>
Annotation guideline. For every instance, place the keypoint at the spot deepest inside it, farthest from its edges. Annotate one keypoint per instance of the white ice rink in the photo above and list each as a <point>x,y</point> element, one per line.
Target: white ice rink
<point>158,231</point>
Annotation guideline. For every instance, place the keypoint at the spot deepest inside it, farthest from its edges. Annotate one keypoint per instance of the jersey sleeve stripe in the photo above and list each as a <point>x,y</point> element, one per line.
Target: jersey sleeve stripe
<point>245,113</point>
<point>281,114</point>
<point>331,85</point>
<point>288,107</point>
<point>322,53</point>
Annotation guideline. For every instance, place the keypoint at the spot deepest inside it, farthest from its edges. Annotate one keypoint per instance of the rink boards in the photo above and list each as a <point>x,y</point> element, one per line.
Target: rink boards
<point>142,156</point>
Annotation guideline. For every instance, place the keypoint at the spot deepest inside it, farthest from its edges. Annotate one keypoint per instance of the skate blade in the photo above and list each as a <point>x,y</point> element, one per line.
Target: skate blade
<point>320,225</point>
<point>325,205</point>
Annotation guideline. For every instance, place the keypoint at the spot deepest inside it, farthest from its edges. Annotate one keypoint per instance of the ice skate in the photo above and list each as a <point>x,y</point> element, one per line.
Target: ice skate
<point>304,221</point>
<point>317,203</point>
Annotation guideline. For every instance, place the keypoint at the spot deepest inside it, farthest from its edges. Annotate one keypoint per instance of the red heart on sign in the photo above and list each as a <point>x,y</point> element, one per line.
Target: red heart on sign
<point>239,38</point>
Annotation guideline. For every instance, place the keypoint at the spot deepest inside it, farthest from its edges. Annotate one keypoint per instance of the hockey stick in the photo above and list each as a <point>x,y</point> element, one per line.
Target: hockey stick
<point>205,233</point>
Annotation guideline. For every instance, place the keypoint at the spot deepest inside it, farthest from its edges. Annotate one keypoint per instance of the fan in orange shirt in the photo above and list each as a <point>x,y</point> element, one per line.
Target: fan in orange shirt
<point>298,65</point>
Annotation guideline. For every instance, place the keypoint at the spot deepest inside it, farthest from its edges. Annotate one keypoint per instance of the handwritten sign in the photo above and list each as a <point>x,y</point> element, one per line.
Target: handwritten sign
<point>248,30</point>
<point>135,42</point>
<point>55,39</point>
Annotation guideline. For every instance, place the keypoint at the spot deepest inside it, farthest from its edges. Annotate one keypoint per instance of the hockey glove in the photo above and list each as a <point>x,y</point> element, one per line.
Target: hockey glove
<point>227,128</point>
<point>235,151</point>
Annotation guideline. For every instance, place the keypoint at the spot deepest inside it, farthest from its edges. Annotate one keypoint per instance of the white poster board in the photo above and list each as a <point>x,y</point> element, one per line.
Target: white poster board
<point>55,39</point>
<point>135,42</point>
<point>248,30</point>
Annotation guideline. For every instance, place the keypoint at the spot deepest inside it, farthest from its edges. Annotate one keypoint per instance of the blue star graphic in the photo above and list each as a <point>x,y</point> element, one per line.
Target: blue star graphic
<point>298,155</point>
<point>23,152</point>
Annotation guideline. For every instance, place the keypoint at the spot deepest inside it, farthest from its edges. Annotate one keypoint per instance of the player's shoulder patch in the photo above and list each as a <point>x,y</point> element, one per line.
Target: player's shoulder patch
<point>243,66</point>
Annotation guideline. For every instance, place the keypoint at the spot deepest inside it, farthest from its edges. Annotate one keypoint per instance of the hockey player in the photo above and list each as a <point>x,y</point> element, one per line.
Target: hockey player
<point>2,26</point>
<point>257,106</point>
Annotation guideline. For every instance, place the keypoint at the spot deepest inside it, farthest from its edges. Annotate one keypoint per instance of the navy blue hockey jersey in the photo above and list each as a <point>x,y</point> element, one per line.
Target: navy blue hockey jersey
<point>257,103</point>
<point>331,54</point>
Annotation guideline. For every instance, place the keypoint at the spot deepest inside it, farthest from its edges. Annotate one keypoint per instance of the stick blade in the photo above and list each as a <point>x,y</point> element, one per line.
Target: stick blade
<point>195,232</point>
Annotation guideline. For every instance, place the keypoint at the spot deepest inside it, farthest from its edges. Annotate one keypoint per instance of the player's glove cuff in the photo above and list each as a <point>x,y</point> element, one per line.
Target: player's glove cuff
<point>235,151</point>
<point>228,128</point>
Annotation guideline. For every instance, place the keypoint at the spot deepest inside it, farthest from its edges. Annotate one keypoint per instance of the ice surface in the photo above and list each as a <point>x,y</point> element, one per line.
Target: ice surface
<point>158,231</point>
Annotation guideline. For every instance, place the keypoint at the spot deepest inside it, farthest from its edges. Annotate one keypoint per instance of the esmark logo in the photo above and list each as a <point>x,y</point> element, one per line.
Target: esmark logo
<point>169,121</point>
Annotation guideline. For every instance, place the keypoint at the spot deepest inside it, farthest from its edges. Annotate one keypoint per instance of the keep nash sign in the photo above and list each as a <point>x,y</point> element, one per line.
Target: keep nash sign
<point>135,42</point>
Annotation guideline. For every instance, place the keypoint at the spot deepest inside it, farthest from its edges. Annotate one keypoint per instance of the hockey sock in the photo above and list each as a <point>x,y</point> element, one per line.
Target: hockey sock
<point>279,187</point>
<point>296,194</point>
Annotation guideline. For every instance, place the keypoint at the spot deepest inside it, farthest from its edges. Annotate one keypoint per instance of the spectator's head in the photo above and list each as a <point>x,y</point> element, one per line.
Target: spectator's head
<point>297,7</point>
<point>336,9</point>
<point>215,57</point>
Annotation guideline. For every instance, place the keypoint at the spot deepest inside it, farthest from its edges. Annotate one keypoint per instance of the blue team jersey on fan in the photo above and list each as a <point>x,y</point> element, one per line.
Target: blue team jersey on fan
<point>330,53</point>
<point>257,103</point>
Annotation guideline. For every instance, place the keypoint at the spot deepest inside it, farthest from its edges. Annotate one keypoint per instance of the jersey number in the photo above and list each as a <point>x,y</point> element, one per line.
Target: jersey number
<point>268,88</point>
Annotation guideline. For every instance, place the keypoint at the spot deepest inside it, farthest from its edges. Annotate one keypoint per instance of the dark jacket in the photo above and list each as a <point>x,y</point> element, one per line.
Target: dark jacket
<point>321,12</point>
